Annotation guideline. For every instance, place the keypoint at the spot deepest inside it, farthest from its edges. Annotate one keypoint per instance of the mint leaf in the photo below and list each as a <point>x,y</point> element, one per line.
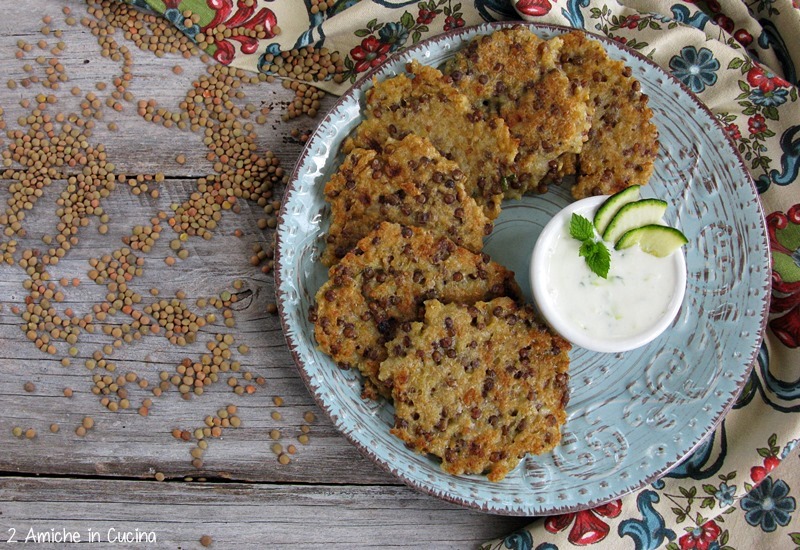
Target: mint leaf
<point>587,249</point>
<point>598,257</point>
<point>580,228</point>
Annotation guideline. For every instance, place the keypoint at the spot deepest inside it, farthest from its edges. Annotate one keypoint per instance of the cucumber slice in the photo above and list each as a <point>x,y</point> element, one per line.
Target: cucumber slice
<point>658,240</point>
<point>612,205</point>
<point>633,215</point>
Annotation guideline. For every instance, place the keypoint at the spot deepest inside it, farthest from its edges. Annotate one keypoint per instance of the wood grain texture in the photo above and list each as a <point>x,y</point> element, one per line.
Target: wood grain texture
<point>123,443</point>
<point>243,515</point>
<point>105,479</point>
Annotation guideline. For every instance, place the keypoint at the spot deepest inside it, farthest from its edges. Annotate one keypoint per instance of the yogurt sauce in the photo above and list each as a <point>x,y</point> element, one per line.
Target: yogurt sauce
<point>635,296</point>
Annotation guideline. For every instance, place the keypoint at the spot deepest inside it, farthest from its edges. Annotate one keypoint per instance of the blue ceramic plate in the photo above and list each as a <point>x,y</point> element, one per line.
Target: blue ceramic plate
<point>632,416</point>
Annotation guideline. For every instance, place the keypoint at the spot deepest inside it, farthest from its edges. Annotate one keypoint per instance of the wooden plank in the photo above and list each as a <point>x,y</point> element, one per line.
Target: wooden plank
<point>138,147</point>
<point>242,515</point>
<point>124,443</point>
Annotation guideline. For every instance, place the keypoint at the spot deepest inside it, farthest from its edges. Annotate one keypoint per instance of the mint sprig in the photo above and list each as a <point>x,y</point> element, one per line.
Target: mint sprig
<point>580,228</point>
<point>597,256</point>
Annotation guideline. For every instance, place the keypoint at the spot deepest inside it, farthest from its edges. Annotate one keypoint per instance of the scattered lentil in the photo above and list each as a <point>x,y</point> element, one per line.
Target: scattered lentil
<point>241,173</point>
<point>306,100</point>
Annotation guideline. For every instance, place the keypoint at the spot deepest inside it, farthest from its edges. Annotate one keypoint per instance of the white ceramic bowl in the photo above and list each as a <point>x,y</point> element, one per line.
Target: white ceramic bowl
<point>566,325</point>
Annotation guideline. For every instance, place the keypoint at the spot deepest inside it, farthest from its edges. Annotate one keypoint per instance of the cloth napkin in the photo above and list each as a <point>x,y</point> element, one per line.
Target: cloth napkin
<point>739,489</point>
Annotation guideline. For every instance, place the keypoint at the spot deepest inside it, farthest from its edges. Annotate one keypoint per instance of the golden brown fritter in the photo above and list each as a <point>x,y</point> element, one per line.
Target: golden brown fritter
<point>494,68</point>
<point>382,283</point>
<point>551,120</point>
<point>424,103</point>
<point>515,74</point>
<point>478,385</point>
<point>408,182</point>
<point>599,127</point>
<point>623,142</point>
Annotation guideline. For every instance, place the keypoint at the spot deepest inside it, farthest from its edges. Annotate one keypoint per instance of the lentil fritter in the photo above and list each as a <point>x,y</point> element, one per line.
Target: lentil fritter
<point>623,142</point>
<point>478,385</point>
<point>595,122</point>
<point>383,282</point>
<point>426,104</point>
<point>409,183</point>
<point>515,74</point>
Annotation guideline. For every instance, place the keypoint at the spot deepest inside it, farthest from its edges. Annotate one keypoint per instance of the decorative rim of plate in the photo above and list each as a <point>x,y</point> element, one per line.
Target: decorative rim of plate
<point>360,86</point>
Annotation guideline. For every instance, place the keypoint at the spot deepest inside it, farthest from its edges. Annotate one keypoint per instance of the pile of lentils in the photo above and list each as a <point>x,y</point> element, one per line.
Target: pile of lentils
<point>51,144</point>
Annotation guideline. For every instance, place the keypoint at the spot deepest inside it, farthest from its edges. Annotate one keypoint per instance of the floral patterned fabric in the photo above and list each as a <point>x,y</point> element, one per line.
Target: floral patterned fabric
<point>740,488</point>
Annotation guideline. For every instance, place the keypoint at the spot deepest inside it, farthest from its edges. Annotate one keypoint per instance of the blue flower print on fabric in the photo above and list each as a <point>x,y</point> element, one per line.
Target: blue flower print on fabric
<point>768,505</point>
<point>776,97</point>
<point>725,494</point>
<point>394,34</point>
<point>697,69</point>
<point>142,5</point>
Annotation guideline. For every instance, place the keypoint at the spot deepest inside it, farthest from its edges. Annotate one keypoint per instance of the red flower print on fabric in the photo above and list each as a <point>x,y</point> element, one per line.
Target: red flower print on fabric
<point>733,131</point>
<point>758,473</point>
<point>758,78</point>
<point>425,16</point>
<point>630,21</point>
<point>452,22</point>
<point>588,527</point>
<point>700,538</point>
<point>757,124</point>
<point>534,7</point>
<point>370,53</point>
<point>245,16</point>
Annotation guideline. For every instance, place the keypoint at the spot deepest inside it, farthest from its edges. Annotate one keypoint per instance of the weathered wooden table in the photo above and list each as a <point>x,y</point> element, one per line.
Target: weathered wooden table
<point>97,404</point>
